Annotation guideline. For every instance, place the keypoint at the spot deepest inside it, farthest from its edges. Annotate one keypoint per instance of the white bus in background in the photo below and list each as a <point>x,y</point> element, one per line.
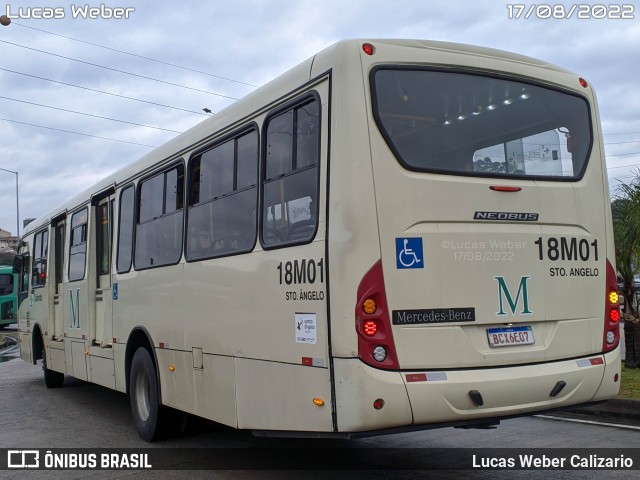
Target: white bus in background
<point>392,235</point>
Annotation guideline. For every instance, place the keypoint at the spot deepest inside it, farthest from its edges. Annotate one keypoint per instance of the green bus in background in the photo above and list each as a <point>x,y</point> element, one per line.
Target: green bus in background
<point>8,296</point>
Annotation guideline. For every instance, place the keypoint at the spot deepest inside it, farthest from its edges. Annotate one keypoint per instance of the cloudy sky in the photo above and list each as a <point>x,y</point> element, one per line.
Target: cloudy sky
<point>229,47</point>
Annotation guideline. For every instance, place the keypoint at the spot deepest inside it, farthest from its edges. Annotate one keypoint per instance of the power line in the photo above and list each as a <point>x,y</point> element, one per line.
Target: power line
<point>619,143</point>
<point>136,55</point>
<point>76,133</point>
<point>119,71</point>
<point>89,114</point>
<point>102,91</point>
<point>624,166</point>
<point>622,154</point>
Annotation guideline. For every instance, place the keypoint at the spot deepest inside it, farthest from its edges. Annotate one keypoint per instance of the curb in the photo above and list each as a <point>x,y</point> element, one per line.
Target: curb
<point>617,407</point>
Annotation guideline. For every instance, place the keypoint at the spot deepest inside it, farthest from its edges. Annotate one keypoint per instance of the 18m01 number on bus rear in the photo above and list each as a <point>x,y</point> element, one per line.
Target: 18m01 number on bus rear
<point>567,249</point>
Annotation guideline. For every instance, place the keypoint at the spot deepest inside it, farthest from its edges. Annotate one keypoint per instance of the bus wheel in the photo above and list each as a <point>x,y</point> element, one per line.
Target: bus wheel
<point>143,390</point>
<point>51,379</point>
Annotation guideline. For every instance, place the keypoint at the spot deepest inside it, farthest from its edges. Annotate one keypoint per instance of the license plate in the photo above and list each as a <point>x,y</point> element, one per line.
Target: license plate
<point>506,337</point>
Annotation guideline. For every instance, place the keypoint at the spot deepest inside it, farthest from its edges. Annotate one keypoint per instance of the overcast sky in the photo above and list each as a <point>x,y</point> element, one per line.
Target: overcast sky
<point>250,42</point>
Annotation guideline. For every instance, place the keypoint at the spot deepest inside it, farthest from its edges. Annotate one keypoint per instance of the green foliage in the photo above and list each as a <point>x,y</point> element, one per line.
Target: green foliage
<point>625,210</point>
<point>630,384</point>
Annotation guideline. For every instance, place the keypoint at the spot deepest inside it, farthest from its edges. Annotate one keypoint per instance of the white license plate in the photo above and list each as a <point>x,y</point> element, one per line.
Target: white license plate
<point>506,337</point>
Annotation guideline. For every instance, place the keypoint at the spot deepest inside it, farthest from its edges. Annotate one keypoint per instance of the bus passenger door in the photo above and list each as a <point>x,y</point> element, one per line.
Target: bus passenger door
<point>75,294</point>
<point>103,333</point>
<point>57,329</point>
<point>24,326</point>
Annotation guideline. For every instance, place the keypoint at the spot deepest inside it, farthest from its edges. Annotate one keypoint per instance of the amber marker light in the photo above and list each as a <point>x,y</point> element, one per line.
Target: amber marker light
<point>318,402</point>
<point>172,368</point>
<point>369,306</point>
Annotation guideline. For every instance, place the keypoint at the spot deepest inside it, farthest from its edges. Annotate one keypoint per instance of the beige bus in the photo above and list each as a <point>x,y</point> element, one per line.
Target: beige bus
<point>393,235</point>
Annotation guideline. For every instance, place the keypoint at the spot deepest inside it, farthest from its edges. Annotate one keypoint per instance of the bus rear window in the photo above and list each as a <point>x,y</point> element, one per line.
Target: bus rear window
<point>459,123</point>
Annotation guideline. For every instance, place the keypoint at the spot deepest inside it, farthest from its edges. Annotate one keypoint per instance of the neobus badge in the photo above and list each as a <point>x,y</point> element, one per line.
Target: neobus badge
<point>513,216</point>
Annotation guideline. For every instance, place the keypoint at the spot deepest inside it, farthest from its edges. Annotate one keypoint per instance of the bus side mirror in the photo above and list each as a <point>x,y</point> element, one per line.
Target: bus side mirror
<point>17,264</point>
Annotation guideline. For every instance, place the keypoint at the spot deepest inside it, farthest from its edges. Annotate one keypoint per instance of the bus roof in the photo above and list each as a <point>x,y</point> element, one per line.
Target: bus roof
<point>254,102</point>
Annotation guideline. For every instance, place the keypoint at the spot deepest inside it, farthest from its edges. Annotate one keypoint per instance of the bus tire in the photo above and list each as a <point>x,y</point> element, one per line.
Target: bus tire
<point>176,421</point>
<point>52,379</point>
<point>144,395</point>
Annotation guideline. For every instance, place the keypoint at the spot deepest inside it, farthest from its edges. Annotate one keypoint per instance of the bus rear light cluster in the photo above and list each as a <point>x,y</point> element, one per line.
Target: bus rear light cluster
<point>612,312</point>
<point>373,324</point>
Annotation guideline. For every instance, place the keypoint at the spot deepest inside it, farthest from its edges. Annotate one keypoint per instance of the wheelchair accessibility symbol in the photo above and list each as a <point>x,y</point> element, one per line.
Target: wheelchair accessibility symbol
<point>409,253</point>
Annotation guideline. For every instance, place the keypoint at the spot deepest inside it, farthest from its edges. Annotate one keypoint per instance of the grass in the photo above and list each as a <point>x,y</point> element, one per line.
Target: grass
<point>630,385</point>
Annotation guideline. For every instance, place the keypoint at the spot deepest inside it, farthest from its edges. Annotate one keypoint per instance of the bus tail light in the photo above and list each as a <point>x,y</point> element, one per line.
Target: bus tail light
<point>611,312</point>
<point>370,328</point>
<point>373,323</point>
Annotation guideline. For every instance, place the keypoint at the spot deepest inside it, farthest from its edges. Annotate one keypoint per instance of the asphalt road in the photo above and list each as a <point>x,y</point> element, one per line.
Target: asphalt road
<point>81,415</point>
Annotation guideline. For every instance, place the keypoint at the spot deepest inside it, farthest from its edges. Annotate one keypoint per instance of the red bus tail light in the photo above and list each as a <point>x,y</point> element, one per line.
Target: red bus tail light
<point>611,335</point>
<point>375,338</point>
<point>370,328</point>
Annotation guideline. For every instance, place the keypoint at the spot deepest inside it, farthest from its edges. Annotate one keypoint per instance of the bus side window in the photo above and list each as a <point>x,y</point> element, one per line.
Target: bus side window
<point>223,196</point>
<point>290,180</point>
<point>78,245</point>
<point>40,251</point>
<point>160,214</point>
<point>6,284</point>
<point>125,230</point>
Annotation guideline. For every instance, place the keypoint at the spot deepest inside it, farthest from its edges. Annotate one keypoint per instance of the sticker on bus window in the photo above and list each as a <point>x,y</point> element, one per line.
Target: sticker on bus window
<point>306,328</point>
<point>409,253</point>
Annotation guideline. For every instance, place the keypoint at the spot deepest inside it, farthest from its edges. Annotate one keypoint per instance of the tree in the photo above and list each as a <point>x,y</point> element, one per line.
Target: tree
<point>625,210</point>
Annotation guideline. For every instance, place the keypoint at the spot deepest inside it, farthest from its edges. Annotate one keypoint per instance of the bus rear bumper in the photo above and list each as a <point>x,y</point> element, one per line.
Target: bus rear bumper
<point>458,396</point>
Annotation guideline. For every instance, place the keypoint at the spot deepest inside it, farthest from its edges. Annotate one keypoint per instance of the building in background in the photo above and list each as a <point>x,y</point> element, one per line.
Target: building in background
<point>8,242</point>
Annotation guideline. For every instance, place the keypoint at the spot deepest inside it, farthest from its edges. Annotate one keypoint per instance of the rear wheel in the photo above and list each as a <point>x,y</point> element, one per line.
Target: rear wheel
<point>143,391</point>
<point>51,379</point>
